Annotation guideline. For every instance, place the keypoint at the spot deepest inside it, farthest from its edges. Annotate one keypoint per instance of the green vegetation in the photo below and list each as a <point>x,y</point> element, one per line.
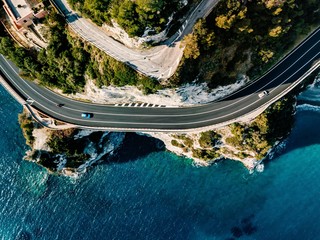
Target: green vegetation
<point>208,151</point>
<point>59,65</point>
<point>133,16</point>
<point>249,138</point>
<point>243,37</point>
<point>106,71</point>
<point>176,143</point>
<point>67,150</point>
<point>255,138</point>
<point>187,142</point>
<point>184,142</point>
<point>49,160</point>
<point>96,10</point>
<point>205,154</point>
<point>235,36</point>
<point>208,139</point>
<point>67,60</point>
<point>62,142</point>
<point>269,127</point>
<point>26,124</point>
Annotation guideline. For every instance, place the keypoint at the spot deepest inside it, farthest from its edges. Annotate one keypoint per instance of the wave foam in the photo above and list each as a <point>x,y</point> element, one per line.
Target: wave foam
<point>316,82</point>
<point>109,142</point>
<point>260,167</point>
<point>308,107</point>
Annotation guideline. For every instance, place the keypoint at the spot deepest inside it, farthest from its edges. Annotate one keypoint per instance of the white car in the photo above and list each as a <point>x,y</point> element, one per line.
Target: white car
<point>264,93</point>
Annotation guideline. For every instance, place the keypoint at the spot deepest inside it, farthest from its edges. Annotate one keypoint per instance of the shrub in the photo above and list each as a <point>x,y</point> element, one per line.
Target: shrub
<point>177,144</point>
<point>208,139</point>
<point>205,154</point>
<point>26,124</point>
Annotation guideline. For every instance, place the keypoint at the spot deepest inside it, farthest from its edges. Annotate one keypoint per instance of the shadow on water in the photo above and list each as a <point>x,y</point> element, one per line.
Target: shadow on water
<point>306,131</point>
<point>245,228</point>
<point>136,146</point>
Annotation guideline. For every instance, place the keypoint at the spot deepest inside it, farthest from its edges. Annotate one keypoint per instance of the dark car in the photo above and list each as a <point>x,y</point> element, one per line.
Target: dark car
<point>86,115</point>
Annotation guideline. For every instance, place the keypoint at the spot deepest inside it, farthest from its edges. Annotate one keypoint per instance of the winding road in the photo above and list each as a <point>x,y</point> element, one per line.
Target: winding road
<point>159,62</point>
<point>278,81</point>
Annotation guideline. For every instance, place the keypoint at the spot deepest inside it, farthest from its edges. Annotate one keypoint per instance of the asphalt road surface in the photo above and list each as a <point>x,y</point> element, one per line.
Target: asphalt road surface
<point>278,81</point>
<point>159,62</point>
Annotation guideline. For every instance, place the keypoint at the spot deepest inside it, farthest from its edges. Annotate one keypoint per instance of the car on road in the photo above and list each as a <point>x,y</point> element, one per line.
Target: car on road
<point>87,115</point>
<point>262,94</point>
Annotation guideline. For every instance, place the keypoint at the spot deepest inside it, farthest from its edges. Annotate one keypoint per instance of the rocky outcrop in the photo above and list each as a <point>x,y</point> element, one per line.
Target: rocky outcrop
<point>249,142</point>
<point>71,152</point>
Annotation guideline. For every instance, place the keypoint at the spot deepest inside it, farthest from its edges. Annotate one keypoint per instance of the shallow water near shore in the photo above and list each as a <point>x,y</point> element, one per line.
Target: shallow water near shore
<point>162,196</point>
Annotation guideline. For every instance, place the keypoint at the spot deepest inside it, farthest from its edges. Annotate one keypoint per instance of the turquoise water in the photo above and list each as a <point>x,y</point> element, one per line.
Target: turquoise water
<point>162,196</point>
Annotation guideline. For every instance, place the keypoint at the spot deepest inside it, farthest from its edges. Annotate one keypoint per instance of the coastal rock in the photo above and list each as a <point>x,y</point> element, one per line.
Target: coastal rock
<point>186,95</point>
<point>71,152</point>
<point>248,142</point>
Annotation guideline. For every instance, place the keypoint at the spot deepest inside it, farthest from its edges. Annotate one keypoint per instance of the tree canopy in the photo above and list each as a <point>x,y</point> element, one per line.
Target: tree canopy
<point>243,37</point>
<point>67,60</point>
<point>133,16</point>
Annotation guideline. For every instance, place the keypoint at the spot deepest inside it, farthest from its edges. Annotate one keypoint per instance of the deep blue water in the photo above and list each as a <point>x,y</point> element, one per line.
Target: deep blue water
<point>162,196</point>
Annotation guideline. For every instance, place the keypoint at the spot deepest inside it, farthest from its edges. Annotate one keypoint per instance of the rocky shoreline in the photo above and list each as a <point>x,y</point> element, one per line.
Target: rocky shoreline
<point>71,152</point>
<point>231,142</point>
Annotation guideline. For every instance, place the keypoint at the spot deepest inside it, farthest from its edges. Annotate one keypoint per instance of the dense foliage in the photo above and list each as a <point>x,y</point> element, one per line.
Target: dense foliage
<point>97,10</point>
<point>26,124</point>
<point>208,139</point>
<point>207,142</point>
<point>67,60</point>
<point>269,127</point>
<point>133,16</point>
<point>252,139</point>
<point>106,71</point>
<point>60,65</point>
<point>62,145</point>
<point>61,142</point>
<point>243,37</point>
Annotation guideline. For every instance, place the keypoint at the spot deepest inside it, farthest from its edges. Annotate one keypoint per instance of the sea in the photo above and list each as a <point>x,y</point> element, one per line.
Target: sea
<point>158,195</point>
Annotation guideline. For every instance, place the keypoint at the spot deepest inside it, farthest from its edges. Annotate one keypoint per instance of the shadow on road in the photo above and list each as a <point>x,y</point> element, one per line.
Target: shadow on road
<point>72,17</point>
<point>130,65</point>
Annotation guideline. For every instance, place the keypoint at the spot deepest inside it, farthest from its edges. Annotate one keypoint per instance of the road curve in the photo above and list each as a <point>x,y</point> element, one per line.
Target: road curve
<point>159,62</point>
<point>278,81</point>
